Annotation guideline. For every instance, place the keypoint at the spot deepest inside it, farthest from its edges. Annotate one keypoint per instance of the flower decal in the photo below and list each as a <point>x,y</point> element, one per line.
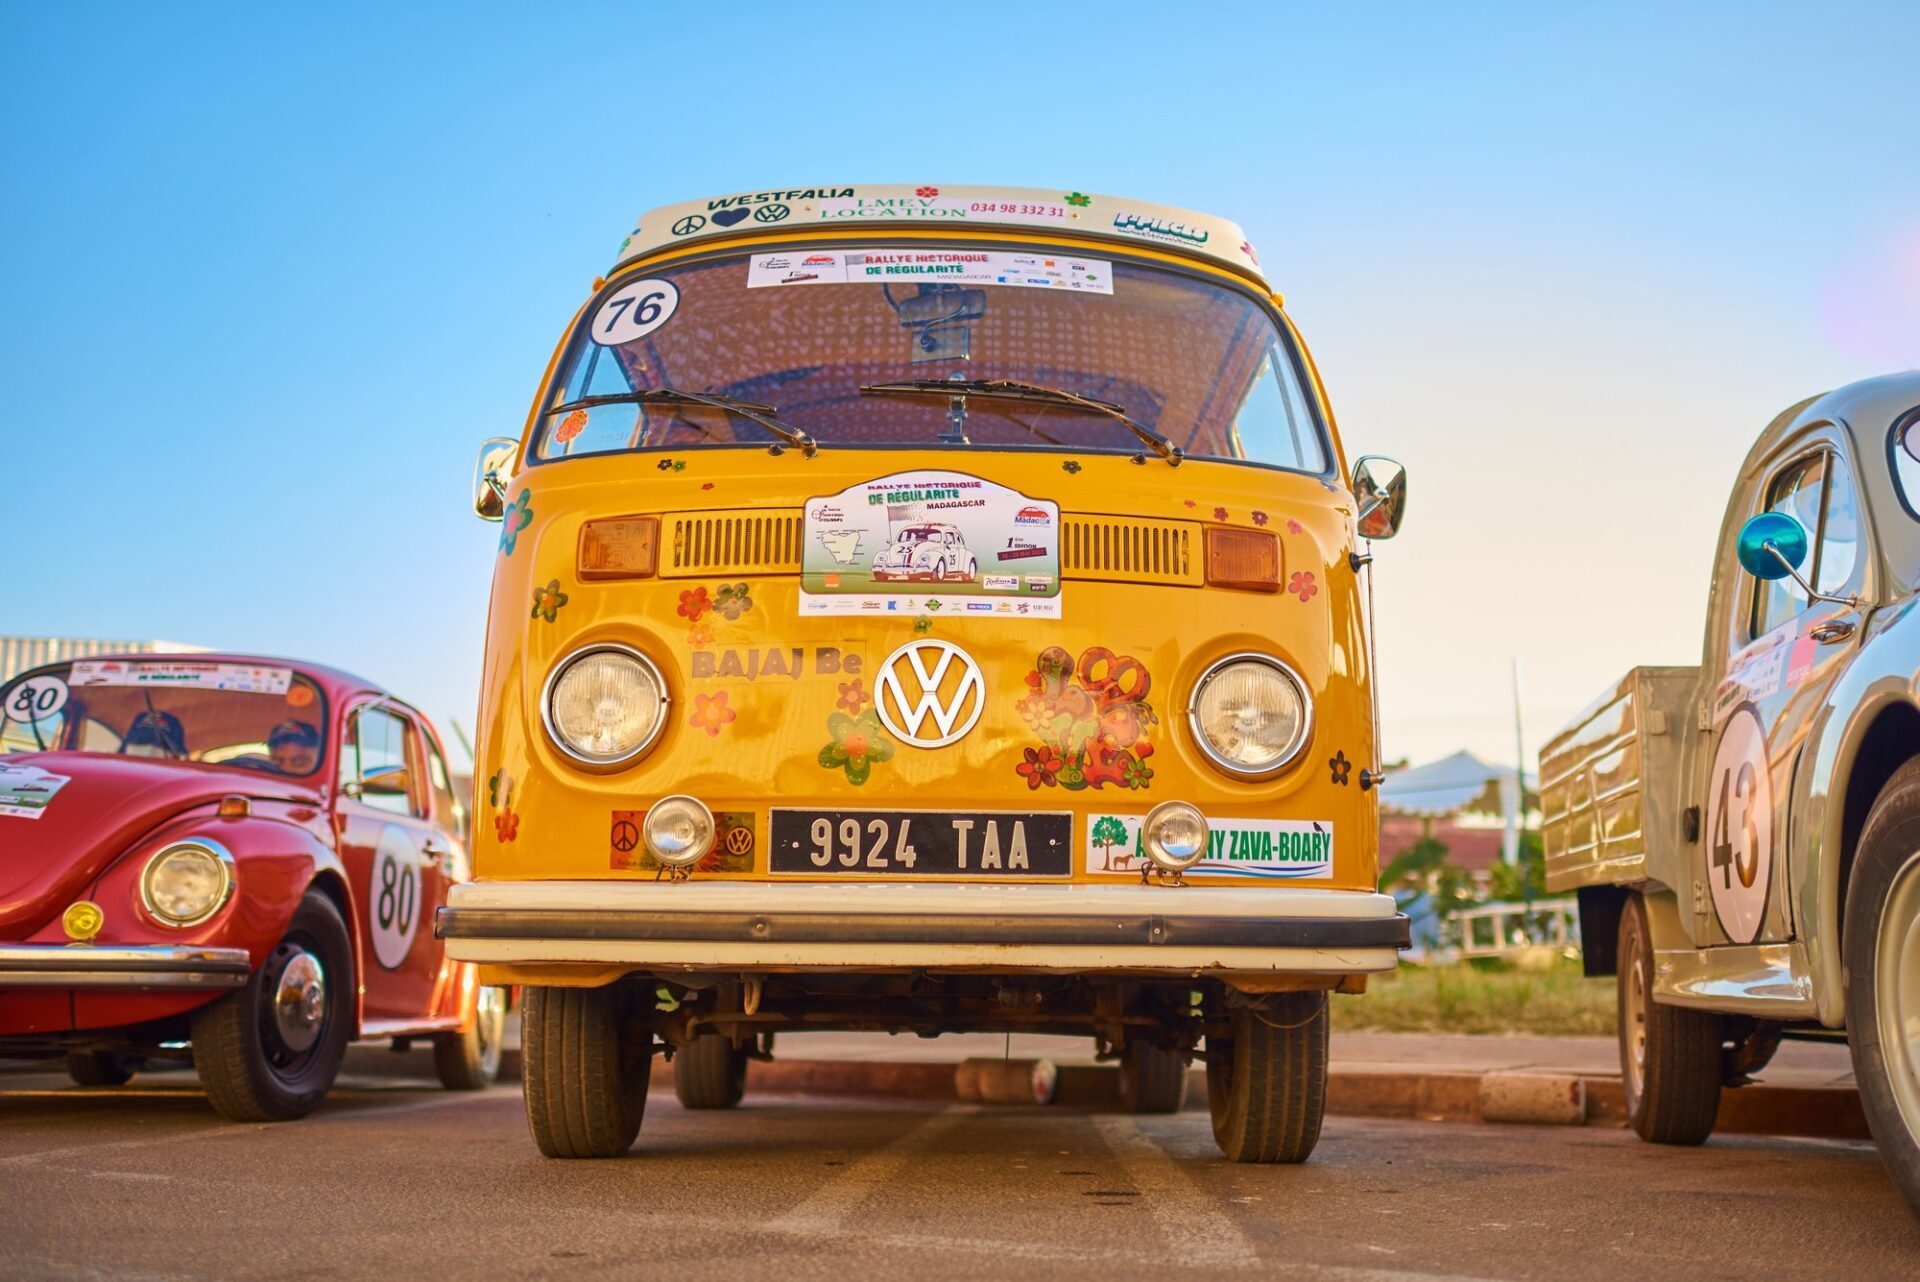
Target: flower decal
<point>732,600</point>
<point>1259,517</point>
<point>852,698</point>
<point>1246,247</point>
<point>1341,767</point>
<point>706,485</point>
<point>922,624</point>
<point>506,825</point>
<point>1219,514</point>
<point>694,602</point>
<point>1190,503</point>
<point>547,601</point>
<point>700,635</point>
<point>710,712</point>
<point>665,465</point>
<point>1302,585</point>
<point>499,788</point>
<point>1294,527</point>
<point>1042,766</point>
<point>926,191</point>
<point>1079,199</point>
<point>514,520</point>
<point>570,426</point>
<point>1092,718</point>
<point>858,742</point>
<point>1071,466</point>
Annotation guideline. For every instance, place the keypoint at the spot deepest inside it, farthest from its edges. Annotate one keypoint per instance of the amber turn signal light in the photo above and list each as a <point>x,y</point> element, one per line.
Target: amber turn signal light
<point>1248,559</point>
<point>618,547</point>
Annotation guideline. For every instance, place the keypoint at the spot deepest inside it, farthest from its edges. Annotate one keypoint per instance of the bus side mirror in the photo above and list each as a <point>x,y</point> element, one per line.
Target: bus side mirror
<point>1380,487</point>
<point>490,477</point>
<point>1772,545</point>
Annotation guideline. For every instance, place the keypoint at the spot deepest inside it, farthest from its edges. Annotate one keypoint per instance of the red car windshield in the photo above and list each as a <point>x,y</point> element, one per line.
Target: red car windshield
<point>809,333</point>
<point>253,716</point>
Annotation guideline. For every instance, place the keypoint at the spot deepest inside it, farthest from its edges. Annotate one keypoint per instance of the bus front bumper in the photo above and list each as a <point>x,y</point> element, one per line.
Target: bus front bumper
<point>814,926</point>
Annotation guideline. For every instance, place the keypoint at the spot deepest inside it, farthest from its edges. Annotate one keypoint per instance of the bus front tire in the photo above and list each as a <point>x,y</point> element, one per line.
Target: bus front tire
<point>1267,1084</point>
<point>1669,1055</point>
<point>586,1083</point>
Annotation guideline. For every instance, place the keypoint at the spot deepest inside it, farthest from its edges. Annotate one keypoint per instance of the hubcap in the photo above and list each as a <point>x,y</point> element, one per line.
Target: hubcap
<point>491,1026</point>
<point>1896,989</point>
<point>1633,1022</point>
<point>300,1001</point>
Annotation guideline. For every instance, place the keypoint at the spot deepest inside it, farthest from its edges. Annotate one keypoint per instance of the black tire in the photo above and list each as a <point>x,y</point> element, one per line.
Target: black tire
<point>1673,1091</point>
<point>251,1070</point>
<point>586,1083</point>
<point>710,1073</point>
<point>1152,1079</point>
<point>1267,1085</point>
<point>101,1068</point>
<point>1889,847</point>
<point>470,1061</point>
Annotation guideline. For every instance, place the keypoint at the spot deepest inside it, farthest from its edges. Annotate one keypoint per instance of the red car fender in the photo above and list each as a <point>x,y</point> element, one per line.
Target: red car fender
<point>279,851</point>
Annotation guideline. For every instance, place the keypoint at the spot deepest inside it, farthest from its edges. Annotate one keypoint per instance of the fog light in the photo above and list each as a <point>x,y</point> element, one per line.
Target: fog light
<point>678,831</point>
<point>1175,835</point>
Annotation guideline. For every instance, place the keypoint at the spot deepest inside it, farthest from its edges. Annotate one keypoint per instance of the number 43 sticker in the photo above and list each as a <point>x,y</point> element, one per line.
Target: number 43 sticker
<point>1740,826</point>
<point>634,311</point>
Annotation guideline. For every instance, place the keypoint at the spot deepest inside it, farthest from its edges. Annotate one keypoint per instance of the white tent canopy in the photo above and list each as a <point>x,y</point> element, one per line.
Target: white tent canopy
<point>1442,787</point>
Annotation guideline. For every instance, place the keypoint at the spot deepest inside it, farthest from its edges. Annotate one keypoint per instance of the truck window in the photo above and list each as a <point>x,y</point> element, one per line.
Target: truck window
<point>1839,546</point>
<point>1796,490</point>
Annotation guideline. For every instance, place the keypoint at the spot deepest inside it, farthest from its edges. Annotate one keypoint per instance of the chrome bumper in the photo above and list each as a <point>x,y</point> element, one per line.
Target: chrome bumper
<point>824,926</point>
<point>139,966</point>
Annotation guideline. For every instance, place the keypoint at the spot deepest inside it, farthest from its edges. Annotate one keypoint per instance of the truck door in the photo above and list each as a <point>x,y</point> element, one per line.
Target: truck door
<point>1785,650</point>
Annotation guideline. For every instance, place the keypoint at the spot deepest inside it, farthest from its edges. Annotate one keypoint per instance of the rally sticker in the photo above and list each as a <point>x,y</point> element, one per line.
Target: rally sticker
<point>393,896</point>
<point>634,311</point>
<point>1740,826</point>
<point>958,266</point>
<point>26,791</point>
<point>924,542</point>
<point>35,699</point>
<point>1275,848</point>
<point>244,677</point>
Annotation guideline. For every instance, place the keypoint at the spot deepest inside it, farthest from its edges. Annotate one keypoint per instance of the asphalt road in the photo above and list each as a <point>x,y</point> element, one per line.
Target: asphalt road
<point>398,1179</point>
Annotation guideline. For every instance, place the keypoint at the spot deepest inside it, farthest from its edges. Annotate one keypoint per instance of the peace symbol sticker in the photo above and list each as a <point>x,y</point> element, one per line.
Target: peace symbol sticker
<point>689,225</point>
<point>625,835</point>
<point>1740,826</point>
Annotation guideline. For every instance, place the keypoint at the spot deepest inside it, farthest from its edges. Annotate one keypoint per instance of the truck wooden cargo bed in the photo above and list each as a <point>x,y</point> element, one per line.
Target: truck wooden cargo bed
<point>1599,823</point>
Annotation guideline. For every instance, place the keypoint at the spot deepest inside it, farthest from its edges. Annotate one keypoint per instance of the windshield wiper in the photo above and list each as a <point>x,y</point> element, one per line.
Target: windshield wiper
<point>1007,389</point>
<point>752,411</point>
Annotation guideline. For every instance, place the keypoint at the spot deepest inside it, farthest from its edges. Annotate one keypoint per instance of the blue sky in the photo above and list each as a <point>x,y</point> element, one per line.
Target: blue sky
<point>272,273</point>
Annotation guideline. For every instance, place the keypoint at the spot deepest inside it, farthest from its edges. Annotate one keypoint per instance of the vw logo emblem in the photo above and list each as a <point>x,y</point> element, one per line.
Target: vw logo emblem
<point>907,694</point>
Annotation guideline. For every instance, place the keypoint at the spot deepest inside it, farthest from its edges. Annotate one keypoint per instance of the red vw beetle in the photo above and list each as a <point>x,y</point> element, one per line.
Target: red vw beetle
<point>234,859</point>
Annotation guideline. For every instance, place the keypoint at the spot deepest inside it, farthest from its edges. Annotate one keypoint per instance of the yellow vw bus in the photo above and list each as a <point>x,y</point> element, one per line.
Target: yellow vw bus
<point>929,609</point>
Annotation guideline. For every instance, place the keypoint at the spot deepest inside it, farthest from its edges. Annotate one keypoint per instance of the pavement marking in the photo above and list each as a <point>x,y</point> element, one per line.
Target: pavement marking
<point>822,1212</point>
<point>1198,1234</point>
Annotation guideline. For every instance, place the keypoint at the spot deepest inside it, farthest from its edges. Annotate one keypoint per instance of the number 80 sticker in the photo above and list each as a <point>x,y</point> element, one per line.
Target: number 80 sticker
<point>634,311</point>
<point>393,896</point>
<point>1740,826</point>
<point>35,699</point>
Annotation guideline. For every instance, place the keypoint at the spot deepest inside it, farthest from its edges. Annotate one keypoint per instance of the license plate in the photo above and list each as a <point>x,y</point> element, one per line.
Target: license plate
<point>922,843</point>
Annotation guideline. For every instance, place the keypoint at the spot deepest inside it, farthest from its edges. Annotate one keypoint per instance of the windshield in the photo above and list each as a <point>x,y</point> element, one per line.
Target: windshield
<point>256,717</point>
<point>802,331</point>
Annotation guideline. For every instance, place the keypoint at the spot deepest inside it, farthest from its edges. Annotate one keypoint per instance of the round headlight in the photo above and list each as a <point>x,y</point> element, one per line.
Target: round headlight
<point>605,705</point>
<point>185,884</point>
<point>1250,714</point>
<point>678,831</point>
<point>1175,835</point>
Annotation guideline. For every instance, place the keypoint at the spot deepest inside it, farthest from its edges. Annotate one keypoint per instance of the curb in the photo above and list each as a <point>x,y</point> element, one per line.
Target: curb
<point>1424,1094</point>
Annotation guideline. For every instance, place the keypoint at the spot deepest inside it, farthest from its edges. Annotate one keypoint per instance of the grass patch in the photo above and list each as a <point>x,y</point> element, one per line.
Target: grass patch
<point>1483,998</point>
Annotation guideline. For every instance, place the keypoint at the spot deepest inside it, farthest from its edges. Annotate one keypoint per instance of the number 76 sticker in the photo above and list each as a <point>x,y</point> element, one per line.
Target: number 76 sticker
<point>634,311</point>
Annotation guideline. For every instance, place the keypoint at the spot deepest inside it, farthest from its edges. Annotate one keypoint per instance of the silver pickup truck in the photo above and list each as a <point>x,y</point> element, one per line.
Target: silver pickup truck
<point>1744,836</point>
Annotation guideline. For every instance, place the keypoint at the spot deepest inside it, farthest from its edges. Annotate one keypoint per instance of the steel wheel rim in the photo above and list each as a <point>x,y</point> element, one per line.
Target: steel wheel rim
<point>490,1026</point>
<point>1633,1023</point>
<point>1896,990</point>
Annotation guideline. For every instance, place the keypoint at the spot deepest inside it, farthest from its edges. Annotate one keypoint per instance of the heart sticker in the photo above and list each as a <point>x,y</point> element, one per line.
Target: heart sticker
<point>728,217</point>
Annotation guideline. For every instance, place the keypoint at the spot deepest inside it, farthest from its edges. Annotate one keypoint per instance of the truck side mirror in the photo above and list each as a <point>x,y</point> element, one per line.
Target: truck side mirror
<point>1380,487</point>
<point>490,477</point>
<point>1772,545</point>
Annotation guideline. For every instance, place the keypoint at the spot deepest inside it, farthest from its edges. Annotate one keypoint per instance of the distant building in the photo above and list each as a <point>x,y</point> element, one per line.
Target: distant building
<point>17,654</point>
<point>1469,806</point>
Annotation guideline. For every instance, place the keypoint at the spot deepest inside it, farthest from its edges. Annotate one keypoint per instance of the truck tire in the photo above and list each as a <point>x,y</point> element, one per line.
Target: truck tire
<point>586,1082</point>
<point>1267,1085</point>
<point>101,1068</point>
<point>711,1073</point>
<point>269,1052</point>
<point>1152,1079</point>
<point>1880,949</point>
<point>1669,1055</point>
<point>470,1061</point>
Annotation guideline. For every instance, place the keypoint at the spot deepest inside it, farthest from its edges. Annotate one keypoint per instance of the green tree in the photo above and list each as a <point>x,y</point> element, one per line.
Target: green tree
<point>1109,832</point>
<point>1422,869</point>
<point>1524,879</point>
